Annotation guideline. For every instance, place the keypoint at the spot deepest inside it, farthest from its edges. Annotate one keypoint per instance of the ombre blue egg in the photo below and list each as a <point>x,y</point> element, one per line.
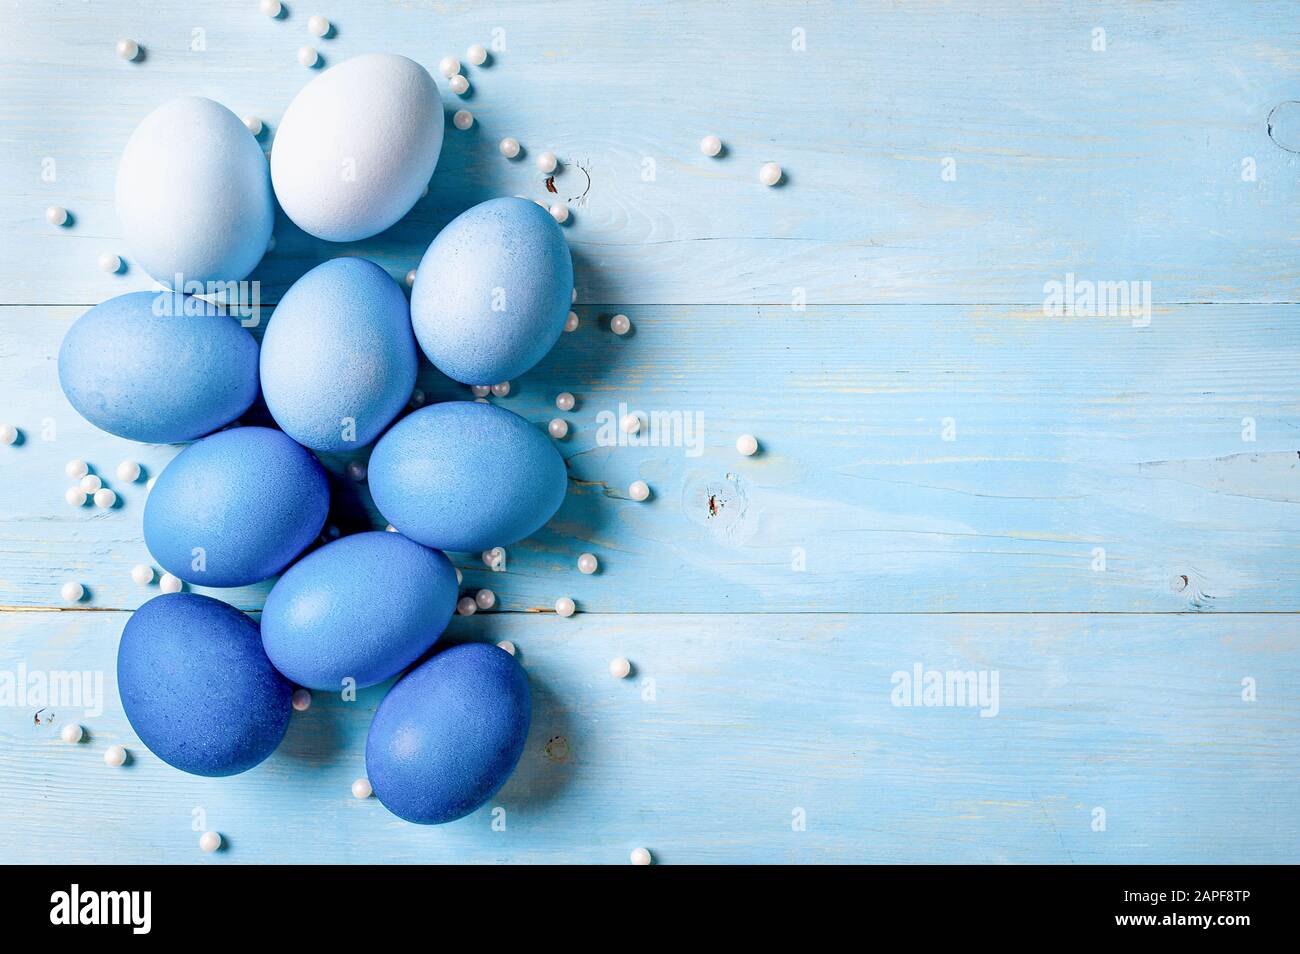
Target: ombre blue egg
<point>492,291</point>
<point>338,357</point>
<point>158,367</point>
<point>197,688</point>
<point>465,476</point>
<point>236,507</point>
<point>363,608</point>
<point>449,733</point>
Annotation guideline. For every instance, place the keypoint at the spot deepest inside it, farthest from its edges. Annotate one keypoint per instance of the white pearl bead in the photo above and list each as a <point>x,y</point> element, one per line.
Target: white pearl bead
<point>417,398</point>
<point>747,444</point>
<point>571,323</point>
<point>300,700</point>
<point>129,471</point>
<point>769,174</point>
<point>317,25</point>
<point>495,559</point>
<point>128,49</point>
<point>449,66</point>
<point>142,574</point>
<point>620,324</point>
<point>485,599</point>
<point>710,145</point>
<point>558,428</point>
<point>509,148</point>
<point>72,592</point>
<point>481,390</point>
<point>462,119</point>
<point>587,563</point>
<point>619,668</point>
<point>476,55</point>
<point>115,756</point>
<point>105,498</point>
<point>410,278</point>
<point>466,606</point>
<point>209,841</point>
<point>547,162</point>
<point>459,578</point>
<point>630,423</point>
<point>392,529</point>
<point>361,788</point>
<point>559,211</point>
<point>110,263</point>
<point>564,607</point>
<point>573,298</point>
<point>507,645</point>
<point>75,496</point>
<point>170,584</point>
<point>148,484</point>
<point>640,856</point>
<point>70,733</point>
<point>8,434</point>
<point>565,401</point>
<point>638,490</point>
<point>76,468</point>
<point>307,55</point>
<point>502,389</point>
<point>90,483</point>
<point>270,7</point>
<point>458,85</point>
<point>254,125</point>
<point>56,215</point>
<point>357,471</point>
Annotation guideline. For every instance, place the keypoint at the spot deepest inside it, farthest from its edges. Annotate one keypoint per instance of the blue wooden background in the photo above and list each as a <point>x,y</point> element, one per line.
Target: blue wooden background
<point>1102,511</point>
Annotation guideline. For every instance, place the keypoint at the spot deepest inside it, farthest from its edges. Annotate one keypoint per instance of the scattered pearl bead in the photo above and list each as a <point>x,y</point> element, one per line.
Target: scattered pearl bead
<point>90,483</point>
<point>638,490</point>
<point>540,204</point>
<point>619,668</point>
<point>485,599</point>
<point>564,607</point>
<point>128,49</point>
<point>547,162</point>
<point>129,471</point>
<point>254,125</point>
<point>559,211</point>
<point>115,756</point>
<point>571,323</point>
<point>769,174</point>
<point>76,468</point>
<point>573,298</point>
<point>640,856</point>
<point>747,444</point>
<point>710,145</point>
<point>300,700</point>
<point>565,401</point>
<point>507,645</point>
<point>509,148</point>
<point>70,733</point>
<point>270,7</point>
<point>392,529</point>
<point>502,389</point>
<point>317,25</point>
<point>75,496</point>
<point>72,592</point>
<point>148,484</point>
<point>481,390</point>
<point>495,559</point>
<point>8,434</point>
<point>110,263</point>
<point>462,119</point>
<point>588,564</point>
<point>417,398</point>
<point>459,578</point>
<point>170,584</point>
<point>56,215</point>
<point>410,278</point>
<point>308,56</point>
<point>458,85</point>
<point>361,788</point>
<point>476,55</point>
<point>466,606</point>
<point>620,324</point>
<point>105,498</point>
<point>558,428</point>
<point>449,66</point>
<point>357,471</point>
<point>209,841</point>
<point>142,574</point>
<point>630,424</point>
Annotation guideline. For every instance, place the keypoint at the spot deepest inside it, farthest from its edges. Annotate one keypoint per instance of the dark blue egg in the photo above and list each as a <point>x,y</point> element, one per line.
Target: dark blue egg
<point>197,687</point>
<point>364,607</point>
<point>449,733</point>
<point>236,507</point>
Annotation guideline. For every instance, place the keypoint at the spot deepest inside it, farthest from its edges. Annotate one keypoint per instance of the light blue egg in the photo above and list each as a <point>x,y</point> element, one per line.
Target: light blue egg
<point>236,507</point>
<point>448,734</point>
<point>492,291</point>
<point>363,608</point>
<point>197,688</point>
<point>465,476</point>
<point>158,367</point>
<point>338,357</point>
<point>194,195</point>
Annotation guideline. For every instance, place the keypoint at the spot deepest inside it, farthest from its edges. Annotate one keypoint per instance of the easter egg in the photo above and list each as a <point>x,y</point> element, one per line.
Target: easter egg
<point>466,476</point>
<point>236,507</point>
<point>363,607</point>
<point>357,146</point>
<point>197,688</point>
<point>493,291</point>
<point>194,195</point>
<point>338,357</point>
<point>449,733</point>
<point>158,367</point>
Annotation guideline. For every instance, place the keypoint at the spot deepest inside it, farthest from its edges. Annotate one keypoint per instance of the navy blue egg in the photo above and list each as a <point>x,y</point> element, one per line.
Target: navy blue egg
<point>448,734</point>
<point>465,476</point>
<point>338,357</point>
<point>197,687</point>
<point>492,291</point>
<point>236,507</point>
<point>364,608</point>
<point>158,367</point>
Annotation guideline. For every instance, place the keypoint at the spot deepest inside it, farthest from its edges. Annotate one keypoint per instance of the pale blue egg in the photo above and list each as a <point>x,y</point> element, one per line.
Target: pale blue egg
<point>338,357</point>
<point>362,608</point>
<point>465,476</point>
<point>449,733</point>
<point>236,507</point>
<point>194,195</point>
<point>158,367</point>
<point>492,292</point>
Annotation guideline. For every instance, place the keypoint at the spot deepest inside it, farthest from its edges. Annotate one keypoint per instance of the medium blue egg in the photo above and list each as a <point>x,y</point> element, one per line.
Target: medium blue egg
<point>492,291</point>
<point>236,507</point>
<point>197,687</point>
<point>448,734</point>
<point>338,357</point>
<point>465,476</point>
<point>364,607</point>
<point>158,367</point>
